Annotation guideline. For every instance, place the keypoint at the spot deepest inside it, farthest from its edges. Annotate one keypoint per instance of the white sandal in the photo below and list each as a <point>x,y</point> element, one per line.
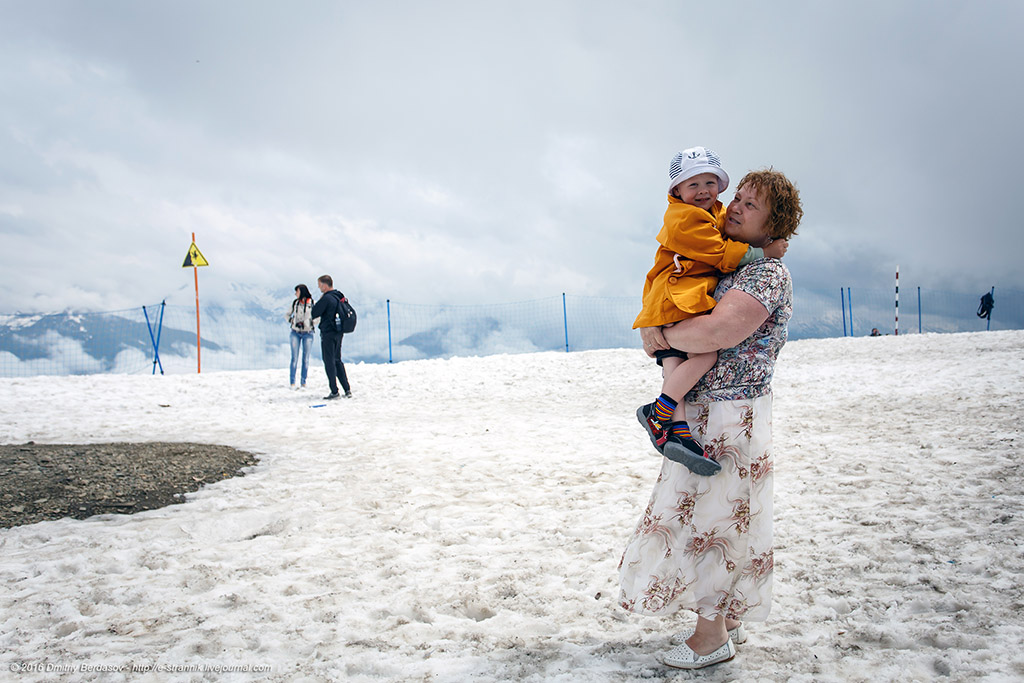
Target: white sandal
<point>737,635</point>
<point>682,657</point>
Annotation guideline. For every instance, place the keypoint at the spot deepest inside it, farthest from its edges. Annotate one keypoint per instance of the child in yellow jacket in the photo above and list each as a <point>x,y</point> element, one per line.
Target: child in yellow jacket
<point>692,252</point>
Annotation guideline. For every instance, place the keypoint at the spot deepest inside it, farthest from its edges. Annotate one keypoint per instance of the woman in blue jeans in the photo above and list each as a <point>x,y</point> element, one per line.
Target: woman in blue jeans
<point>300,318</point>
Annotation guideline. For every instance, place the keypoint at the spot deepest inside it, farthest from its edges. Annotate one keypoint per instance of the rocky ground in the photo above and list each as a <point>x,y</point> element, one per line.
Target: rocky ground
<point>42,482</point>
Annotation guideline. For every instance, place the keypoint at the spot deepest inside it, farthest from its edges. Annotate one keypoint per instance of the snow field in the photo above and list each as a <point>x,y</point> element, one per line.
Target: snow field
<point>463,519</point>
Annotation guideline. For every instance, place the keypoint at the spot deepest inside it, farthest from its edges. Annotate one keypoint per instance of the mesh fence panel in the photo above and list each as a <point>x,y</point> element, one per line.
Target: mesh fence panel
<point>249,337</point>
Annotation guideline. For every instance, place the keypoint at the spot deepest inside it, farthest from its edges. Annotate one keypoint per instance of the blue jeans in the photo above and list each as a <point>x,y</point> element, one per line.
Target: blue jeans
<point>306,338</point>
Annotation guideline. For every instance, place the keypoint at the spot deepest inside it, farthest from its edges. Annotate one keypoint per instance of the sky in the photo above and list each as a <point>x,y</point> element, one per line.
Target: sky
<point>473,152</point>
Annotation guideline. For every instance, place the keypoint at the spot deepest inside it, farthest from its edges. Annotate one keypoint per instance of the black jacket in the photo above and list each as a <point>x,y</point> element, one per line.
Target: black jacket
<point>327,309</point>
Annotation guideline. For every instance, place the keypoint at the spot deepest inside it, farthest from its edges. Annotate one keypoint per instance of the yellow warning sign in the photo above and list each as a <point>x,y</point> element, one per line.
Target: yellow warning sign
<point>194,257</point>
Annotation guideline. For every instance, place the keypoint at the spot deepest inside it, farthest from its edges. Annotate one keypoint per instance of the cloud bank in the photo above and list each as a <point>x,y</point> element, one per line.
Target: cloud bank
<point>473,152</point>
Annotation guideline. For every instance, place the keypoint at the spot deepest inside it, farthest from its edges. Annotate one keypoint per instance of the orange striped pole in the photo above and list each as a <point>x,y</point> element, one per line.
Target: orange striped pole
<point>199,351</point>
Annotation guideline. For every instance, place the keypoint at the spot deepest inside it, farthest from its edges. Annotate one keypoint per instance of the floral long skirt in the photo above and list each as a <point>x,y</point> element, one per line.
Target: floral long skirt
<point>704,544</point>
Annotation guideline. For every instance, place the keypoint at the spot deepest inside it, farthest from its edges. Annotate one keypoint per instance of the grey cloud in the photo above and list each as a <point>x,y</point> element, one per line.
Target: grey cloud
<point>466,150</point>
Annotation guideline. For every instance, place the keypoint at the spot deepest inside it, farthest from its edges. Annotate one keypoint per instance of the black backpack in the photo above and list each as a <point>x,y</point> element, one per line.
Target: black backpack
<point>988,302</point>
<point>345,316</point>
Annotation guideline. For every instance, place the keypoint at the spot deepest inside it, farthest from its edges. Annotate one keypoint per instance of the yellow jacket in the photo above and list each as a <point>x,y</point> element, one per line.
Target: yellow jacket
<point>673,293</point>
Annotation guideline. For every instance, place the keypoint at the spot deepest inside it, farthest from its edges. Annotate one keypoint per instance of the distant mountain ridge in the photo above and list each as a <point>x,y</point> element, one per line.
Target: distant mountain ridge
<point>102,336</point>
<point>245,328</point>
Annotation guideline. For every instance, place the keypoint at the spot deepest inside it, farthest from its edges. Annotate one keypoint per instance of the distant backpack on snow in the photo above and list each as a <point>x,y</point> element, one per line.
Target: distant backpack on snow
<point>345,319</point>
<point>988,302</point>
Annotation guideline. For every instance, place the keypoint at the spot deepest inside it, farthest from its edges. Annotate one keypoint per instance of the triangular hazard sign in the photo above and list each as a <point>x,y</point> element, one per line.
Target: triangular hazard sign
<point>194,257</point>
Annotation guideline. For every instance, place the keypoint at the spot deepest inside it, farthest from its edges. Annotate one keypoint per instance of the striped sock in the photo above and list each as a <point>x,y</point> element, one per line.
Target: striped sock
<point>664,406</point>
<point>680,429</point>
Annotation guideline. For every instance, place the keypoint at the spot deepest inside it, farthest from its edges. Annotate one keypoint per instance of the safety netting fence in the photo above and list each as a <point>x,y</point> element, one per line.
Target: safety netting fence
<point>162,338</point>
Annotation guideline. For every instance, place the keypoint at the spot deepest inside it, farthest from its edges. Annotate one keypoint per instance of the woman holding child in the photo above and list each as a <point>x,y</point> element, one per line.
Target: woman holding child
<point>704,543</point>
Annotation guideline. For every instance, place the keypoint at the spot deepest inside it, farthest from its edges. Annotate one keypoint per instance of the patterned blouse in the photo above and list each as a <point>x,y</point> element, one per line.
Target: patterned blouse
<point>745,371</point>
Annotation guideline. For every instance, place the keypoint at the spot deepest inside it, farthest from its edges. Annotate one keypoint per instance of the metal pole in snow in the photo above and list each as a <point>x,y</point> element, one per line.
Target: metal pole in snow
<point>849,302</point>
<point>199,352</point>
<point>391,358</point>
<point>842,304</point>
<point>565,323</point>
<point>988,320</point>
<point>897,301</point>
<point>153,340</point>
<point>159,329</point>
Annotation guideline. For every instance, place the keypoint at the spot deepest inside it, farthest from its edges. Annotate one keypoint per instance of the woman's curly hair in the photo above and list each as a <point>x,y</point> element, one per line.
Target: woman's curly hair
<point>785,209</point>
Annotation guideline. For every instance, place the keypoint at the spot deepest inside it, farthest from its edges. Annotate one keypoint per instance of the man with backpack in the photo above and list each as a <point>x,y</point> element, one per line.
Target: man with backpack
<point>328,309</point>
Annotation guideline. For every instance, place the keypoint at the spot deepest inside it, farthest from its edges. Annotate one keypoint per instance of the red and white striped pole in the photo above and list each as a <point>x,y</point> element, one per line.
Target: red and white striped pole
<point>897,301</point>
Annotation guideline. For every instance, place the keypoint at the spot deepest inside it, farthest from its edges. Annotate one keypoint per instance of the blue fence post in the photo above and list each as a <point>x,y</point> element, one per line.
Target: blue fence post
<point>152,339</point>
<point>842,304</point>
<point>155,341</point>
<point>919,310</point>
<point>390,358</point>
<point>160,329</point>
<point>849,302</point>
<point>988,320</point>
<point>565,323</point>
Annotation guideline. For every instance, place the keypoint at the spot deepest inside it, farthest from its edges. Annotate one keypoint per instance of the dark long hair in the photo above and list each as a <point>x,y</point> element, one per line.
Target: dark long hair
<point>304,294</point>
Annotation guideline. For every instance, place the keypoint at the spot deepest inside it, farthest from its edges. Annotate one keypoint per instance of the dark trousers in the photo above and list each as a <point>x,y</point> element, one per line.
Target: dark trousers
<point>330,347</point>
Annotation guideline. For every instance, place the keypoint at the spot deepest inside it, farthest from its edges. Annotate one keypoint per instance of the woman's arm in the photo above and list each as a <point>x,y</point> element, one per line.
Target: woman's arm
<point>736,317</point>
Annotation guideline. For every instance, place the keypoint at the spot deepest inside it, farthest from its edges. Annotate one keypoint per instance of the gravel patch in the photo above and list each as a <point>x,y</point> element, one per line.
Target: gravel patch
<point>52,481</point>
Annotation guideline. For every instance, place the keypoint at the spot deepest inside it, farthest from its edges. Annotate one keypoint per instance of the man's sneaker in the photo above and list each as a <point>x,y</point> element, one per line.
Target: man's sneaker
<point>653,426</point>
<point>331,396</point>
<point>348,394</point>
<point>689,453</point>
